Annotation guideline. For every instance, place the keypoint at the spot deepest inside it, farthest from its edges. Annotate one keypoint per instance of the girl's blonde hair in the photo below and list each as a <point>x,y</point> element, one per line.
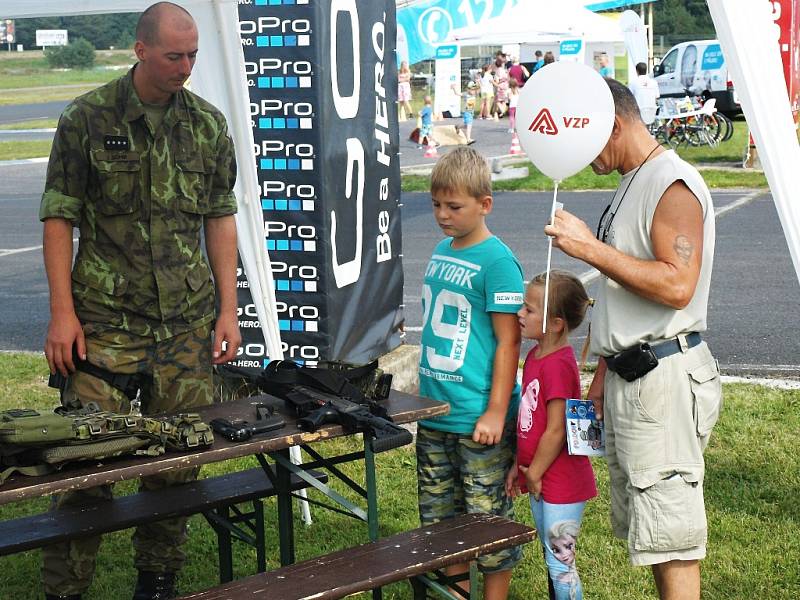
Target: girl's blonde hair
<point>568,298</point>
<point>568,301</point>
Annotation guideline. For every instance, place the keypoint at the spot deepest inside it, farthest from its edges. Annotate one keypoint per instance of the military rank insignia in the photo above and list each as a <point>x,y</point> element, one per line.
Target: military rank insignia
<point>116,142</point>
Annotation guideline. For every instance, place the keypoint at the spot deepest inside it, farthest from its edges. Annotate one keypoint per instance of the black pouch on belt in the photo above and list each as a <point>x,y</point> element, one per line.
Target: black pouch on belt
<point>634,362</point>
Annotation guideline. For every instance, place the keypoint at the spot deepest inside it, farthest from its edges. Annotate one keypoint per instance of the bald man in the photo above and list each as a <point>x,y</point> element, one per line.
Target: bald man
<point>140,166</point>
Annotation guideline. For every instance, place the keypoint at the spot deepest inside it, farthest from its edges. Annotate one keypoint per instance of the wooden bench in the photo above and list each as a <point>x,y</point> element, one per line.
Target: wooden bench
<point>214,497</point>
<point>369,566</point>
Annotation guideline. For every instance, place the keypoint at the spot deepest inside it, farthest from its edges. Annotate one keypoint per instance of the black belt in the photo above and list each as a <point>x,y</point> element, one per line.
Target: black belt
<point>639,360</point>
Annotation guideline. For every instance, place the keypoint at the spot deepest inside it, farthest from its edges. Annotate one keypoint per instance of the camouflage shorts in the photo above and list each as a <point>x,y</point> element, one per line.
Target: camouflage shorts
<point>178,376</point>
<point>176,372</point>
<point>456,475</point>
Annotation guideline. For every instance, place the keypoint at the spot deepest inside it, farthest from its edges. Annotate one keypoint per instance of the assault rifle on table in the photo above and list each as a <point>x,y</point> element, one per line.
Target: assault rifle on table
<point>333,392</point>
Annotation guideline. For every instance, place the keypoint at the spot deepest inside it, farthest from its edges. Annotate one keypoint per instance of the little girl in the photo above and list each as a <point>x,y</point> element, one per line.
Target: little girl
<point>513,100</point>
<point>404,89</point>
<point>559,484</point>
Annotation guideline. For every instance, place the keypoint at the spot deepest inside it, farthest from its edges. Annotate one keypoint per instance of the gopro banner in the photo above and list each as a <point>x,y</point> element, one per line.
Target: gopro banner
<point>323,85</point>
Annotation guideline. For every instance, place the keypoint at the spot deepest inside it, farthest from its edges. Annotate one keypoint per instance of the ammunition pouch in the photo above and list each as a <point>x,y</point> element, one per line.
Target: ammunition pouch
<point>35,443</point>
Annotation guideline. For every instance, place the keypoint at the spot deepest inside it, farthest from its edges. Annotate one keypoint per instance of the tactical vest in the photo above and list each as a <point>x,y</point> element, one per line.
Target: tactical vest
<point>35,443</point>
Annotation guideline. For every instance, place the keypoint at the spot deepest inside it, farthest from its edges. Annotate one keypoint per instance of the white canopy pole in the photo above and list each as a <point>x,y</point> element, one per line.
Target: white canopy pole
<point>224,26</point>
<point>747,33</point>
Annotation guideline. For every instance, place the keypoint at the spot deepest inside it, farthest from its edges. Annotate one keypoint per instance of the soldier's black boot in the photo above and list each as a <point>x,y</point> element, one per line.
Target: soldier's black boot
<point>67,597</point>
<point>154,586</point>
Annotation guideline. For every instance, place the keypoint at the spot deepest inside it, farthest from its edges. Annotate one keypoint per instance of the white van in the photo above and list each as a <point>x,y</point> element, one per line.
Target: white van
<point>697,69</point>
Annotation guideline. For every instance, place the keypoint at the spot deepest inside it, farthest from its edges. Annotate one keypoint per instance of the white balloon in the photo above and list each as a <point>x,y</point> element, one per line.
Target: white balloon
<point>564,118</point>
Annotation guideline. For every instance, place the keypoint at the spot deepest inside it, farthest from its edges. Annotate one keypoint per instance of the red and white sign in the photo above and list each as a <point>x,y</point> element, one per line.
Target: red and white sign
<point>543,123</point>
<point>786,14</point>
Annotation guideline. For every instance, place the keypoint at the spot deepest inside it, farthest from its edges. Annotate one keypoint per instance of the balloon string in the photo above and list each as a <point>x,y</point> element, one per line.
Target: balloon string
<point>549,257</point>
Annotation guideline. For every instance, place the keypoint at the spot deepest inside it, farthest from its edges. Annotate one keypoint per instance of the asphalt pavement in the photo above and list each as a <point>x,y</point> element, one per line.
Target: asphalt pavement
<point>754,290</point>
<point>16,113</point>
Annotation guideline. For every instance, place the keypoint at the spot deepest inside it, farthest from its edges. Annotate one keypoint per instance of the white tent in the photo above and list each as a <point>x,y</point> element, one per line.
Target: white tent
<point>541,22</point>
<point>219,77</point>
<point>746,31</point>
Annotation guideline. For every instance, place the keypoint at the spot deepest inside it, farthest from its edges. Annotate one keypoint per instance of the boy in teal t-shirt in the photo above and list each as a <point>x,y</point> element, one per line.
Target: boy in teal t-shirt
<point>472,290</point>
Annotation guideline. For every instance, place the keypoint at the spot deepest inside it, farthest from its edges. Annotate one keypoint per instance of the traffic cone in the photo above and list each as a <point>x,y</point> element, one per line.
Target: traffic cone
<point>430,149</point>
<point>515,147</point>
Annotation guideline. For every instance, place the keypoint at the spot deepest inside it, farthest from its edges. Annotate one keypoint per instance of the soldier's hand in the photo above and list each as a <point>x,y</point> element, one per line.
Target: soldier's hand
<point>63,334</point>
<point>227,331</point>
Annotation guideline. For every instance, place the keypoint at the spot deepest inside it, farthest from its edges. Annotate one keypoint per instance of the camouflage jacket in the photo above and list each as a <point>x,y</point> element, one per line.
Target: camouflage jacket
<point>139,198</point>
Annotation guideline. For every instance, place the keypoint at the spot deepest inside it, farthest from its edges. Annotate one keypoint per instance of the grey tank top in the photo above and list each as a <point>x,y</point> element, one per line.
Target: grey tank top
<point>621,319</point>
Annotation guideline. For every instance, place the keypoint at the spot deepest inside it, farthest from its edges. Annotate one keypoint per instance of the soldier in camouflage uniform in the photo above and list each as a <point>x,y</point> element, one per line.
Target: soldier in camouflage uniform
<point>140,166</point>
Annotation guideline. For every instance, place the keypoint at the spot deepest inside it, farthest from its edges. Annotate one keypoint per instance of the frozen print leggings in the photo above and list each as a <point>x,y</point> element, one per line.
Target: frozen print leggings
<point>558,526</point>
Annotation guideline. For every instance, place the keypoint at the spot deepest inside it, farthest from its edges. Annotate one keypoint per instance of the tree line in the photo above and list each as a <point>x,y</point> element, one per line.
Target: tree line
<point>101,31</point>
<point>671,17</point>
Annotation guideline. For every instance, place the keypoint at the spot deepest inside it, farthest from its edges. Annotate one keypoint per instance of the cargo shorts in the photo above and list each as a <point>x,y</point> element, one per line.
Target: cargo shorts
<point>657,428</point>
<point>456,476</point>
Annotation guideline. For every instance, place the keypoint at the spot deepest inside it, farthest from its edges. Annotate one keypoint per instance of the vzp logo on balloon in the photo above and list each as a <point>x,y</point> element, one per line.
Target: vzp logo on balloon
<point>570,113</point>
<point>544,123</point>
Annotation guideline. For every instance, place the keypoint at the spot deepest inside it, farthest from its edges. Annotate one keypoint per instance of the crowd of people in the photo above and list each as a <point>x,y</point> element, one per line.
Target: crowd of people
<point>493,92</point>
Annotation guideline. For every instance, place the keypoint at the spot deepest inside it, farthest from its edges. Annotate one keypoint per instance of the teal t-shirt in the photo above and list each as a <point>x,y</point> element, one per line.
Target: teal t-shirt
<point>460,291</point>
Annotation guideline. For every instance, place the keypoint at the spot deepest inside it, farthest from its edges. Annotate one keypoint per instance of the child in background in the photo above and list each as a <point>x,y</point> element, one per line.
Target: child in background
<point>404,89</point>
<point>470,101</point>
<point>559,484</point>
<point>469,354</point>
<point>513,100</point>
<point>487,91</point>
<point>426,120</point>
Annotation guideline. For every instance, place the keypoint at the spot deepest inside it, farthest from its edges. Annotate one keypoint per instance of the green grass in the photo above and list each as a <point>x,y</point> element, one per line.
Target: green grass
<point>48,79</point>
<point>716,178</point>
<point>31,70</point>
<point>18,150</point>
<point>52,94</point>
<point>25,77</point>
<point>33,124</point>
<point>752,482</point>
<point>587,180</point>
<point>730,151</point>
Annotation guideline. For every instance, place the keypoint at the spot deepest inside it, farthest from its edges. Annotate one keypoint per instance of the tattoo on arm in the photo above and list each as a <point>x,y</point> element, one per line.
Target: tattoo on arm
<point>683,248</point>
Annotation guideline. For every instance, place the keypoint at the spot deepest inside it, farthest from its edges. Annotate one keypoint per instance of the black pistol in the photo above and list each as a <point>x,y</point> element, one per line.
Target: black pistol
<point>240,430</point>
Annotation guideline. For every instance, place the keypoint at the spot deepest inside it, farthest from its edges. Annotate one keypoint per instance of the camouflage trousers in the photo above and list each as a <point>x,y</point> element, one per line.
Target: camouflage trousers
<point>177,376</point>
<point>456,476</point>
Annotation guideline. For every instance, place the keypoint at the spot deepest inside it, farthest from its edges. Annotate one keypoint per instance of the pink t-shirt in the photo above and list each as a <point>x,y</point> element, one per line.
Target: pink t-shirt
<point>569,478</point>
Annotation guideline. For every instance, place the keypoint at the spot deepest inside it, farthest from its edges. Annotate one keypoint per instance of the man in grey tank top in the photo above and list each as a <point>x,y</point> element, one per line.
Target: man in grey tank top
<point>657,384</point>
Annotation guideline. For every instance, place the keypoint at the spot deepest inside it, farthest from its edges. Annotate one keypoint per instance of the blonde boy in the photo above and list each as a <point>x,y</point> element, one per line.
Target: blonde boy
<point>470,349</point>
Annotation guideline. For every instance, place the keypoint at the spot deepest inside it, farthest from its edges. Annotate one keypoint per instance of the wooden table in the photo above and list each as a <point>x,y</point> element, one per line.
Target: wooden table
<point>275,445</point>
